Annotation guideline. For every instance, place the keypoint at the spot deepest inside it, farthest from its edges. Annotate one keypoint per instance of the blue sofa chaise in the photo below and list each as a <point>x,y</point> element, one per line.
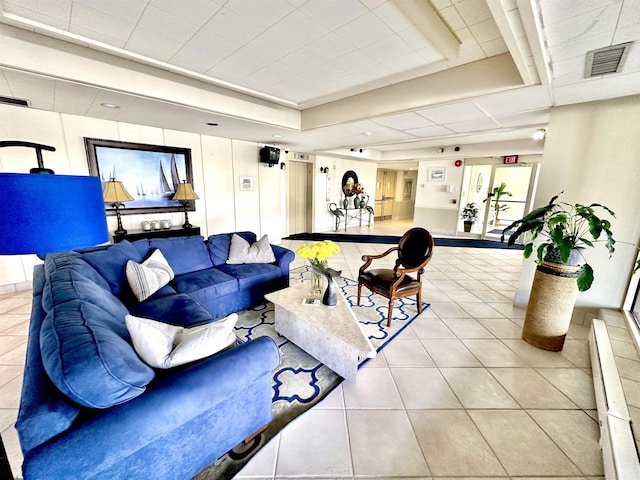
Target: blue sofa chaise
<point>92,409</point>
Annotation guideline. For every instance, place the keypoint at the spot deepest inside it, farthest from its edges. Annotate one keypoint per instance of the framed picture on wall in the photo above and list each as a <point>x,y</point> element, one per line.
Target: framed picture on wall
<point>436,174</point>
<point>149,173</point>
<point>246,183</point>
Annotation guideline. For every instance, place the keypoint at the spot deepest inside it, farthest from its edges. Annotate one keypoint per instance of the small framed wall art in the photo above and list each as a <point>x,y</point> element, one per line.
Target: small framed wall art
<point>436,174</point>
<point>246,184</point>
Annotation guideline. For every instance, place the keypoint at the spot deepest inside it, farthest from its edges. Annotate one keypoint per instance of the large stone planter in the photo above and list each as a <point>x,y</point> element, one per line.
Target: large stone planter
<point>553,296</point>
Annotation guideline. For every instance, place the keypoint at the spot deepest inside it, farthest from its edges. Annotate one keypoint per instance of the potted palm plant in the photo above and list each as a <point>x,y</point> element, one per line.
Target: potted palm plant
<point>469,216</point>
<point>497,193</point>
<point>559,232</point>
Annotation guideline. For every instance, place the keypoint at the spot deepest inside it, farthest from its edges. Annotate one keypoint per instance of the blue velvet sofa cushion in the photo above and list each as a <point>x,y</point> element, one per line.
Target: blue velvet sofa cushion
<point>219,244</point>
<point>184,254</point>
<point>217,282</point>
<point>250,274</point>
<point>111,263</point>
<point>55,262</point>
<point>88,356</point>
<point>178,309</point>
<point>66,285</point>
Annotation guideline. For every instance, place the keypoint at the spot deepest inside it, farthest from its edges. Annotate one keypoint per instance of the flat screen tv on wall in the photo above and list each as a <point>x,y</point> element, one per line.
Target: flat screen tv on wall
<point>270,155</point>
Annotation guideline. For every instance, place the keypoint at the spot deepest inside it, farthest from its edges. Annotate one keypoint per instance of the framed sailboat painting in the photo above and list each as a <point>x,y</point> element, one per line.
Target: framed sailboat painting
<point>149,173</point>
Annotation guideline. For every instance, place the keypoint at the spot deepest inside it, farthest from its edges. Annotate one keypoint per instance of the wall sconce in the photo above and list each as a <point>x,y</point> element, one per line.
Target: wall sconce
<point>283,166</point>
<point>324,169</point>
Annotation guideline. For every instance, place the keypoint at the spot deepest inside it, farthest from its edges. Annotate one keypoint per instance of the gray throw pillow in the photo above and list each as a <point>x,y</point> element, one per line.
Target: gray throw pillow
<point>241,252</point>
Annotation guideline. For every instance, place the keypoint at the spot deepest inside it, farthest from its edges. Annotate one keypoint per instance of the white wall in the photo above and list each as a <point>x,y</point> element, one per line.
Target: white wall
<point>436,207</point>
<point>217,165</point>
<point>592,152</point>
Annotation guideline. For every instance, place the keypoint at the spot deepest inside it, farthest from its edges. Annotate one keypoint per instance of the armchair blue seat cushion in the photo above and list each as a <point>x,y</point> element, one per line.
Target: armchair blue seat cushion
<point>88,355</point>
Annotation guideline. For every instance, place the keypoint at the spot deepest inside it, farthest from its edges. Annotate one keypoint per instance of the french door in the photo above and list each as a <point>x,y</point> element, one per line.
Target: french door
<point>497,211</point>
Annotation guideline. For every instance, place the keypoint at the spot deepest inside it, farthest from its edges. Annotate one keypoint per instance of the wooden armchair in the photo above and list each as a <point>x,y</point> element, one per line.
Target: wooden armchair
<point>415,250</point>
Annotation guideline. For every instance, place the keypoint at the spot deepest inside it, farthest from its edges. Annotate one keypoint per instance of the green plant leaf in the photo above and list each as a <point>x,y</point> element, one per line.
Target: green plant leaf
<point>528,249</point>
<point>610,242</point>
<point>564,247</point>
<point>587,242</point>
<point>595,226</point>
<point>542,251</point>
<point>585,277</point>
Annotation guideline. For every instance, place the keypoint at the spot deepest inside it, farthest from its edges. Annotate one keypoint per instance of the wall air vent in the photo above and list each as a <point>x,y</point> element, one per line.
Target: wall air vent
<point>14,101</point>
<point>606,60</point>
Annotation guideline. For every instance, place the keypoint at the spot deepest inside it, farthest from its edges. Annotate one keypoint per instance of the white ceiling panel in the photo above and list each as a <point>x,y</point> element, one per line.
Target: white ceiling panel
<point>333,13</point>
<point>392,16</point>
<point>405,121</point>
<point>519,100</point>
<point>435,131</point>
<point>364,31</point>
<point>476,125</point>
<point>452,113</point>
<point>166,24</point>
<point>93,23</point>
<point>193,11</point>
<point>263,13</point>
<point>473,11</point>
<point>128,11</point>
<point>539,117</point>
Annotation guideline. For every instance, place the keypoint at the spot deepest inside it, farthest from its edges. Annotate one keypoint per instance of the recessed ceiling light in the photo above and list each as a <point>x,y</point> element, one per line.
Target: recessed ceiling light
<point>109,105</point>
<point>368,134</point>
<point>276,135</point>
<point>539,134</point>
<point>212,124</point>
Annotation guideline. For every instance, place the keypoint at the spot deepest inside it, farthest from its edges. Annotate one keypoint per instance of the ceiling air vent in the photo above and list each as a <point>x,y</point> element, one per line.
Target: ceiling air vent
<point>606,60</point>
<point>14,101</point>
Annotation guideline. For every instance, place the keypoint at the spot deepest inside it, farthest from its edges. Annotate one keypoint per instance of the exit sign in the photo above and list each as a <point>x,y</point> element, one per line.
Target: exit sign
<point>511,159</point>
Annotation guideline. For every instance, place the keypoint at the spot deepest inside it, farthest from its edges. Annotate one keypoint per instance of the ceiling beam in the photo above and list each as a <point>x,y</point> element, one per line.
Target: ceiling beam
<point>424,16</point>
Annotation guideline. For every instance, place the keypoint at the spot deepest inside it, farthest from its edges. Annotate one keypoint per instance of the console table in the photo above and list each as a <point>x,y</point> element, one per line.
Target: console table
<point>133,235</point>
<point>347,214</point>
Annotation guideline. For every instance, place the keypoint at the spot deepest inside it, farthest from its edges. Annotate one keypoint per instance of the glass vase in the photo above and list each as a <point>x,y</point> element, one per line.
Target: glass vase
<point>316,285</point>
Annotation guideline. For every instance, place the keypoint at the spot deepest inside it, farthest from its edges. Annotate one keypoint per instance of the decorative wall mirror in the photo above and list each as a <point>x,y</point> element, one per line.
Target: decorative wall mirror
<point>349,179</point>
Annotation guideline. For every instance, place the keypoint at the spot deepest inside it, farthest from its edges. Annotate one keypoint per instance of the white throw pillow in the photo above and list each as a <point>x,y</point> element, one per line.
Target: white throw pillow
<point>241,252</point>
<point>148,277</point>
<point>161,345</point>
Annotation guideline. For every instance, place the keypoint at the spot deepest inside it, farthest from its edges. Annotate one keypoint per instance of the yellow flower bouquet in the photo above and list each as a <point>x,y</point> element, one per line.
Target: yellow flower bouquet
<point>317,254</point>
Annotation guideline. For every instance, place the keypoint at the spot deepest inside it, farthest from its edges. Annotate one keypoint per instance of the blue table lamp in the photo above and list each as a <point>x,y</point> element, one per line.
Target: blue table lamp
<point>44,213</point>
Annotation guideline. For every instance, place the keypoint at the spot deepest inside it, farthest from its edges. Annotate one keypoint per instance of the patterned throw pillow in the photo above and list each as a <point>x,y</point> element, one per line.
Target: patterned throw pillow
<point>241,252</point>
<point>161,345</point>
<point>148,277</point>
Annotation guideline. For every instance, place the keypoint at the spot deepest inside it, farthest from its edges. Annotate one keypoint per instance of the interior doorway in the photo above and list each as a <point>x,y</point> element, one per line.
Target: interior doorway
<point>498,205</point>
<point>299,197</point>
<point>385,194</point>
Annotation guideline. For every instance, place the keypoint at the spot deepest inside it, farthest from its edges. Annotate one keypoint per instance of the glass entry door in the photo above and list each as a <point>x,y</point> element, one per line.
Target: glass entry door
<point>497,205</point>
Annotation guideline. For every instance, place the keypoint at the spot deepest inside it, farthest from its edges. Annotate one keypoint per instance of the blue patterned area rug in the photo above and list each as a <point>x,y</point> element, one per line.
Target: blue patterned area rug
<point>301,381</point>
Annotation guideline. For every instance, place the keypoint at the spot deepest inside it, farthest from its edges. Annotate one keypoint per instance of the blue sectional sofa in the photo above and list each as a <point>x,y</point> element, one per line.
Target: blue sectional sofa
<point>92,409</point>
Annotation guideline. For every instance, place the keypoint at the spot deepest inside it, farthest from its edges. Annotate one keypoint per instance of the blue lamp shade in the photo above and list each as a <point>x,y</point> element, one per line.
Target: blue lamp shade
<point>45,213</point>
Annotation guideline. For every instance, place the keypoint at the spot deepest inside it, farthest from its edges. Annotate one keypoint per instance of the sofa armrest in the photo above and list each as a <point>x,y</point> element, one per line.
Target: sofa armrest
<point>99,443</point>
<point>284,256</point>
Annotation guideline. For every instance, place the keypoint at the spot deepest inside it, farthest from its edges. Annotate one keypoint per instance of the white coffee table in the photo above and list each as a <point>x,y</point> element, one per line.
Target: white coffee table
<point>330,334</point>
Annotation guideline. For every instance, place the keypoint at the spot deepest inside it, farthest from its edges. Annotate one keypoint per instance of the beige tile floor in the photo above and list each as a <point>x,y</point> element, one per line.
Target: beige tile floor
<point>458,395</point>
